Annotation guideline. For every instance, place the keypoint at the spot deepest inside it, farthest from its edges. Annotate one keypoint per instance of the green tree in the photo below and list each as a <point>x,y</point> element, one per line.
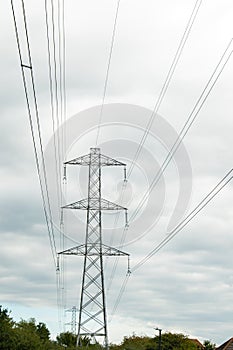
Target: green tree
<point>27,336</point>
<point>7,335</point>
<point>43,332</point>
<point>32,336</point>
<point>208,345</point>
<point>169,341</point>
<point>176,341</point>
<point>135,342</point>
<point>67,338</point>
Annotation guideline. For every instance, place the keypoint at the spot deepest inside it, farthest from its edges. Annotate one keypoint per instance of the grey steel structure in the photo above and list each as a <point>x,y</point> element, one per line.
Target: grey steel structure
<point>92,320</point>
<point>73,322</point>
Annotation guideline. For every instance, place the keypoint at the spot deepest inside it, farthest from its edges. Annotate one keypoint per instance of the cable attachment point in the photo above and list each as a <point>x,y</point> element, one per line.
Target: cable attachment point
<point>126,218</point>
<point>58,266</point>
<point>64,174</point>
<point>62,218</point>
<point>125,176</point>
<point>128,270</point>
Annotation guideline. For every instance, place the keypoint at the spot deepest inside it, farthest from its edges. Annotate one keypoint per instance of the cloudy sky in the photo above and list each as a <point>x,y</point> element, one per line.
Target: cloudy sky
<point>188,285</point>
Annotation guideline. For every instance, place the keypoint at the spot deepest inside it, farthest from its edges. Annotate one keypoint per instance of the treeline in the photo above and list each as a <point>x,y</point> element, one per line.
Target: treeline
<point>168,341</point>
<point>29,335</point>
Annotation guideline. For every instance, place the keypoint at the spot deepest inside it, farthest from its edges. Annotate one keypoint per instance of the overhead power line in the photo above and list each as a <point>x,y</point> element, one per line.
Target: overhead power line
<point>55,35</point>
<point>167,81</point>
<point>121,292</point>
<point>63,75</point>
<point>53,109</point>
<point>200,102</point>
<point>107,71</point>
<point>189,122</point>
<point>202,204</point>
<point>41,171</point>
<point>158,102</point>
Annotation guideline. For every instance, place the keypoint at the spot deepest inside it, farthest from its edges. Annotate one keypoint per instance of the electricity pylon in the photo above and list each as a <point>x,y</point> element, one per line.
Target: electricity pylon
<point>92,321</point>
<point>73,322</point>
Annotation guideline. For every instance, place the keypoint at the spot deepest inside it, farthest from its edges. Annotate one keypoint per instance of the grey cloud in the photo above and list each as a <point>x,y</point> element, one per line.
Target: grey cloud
<point>187,286</point>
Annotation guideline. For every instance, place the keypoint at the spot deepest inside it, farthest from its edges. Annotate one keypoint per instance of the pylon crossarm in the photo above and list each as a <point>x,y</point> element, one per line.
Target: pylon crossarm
<point>83,160</point>
<point>107,161</point>
<point>110,251</point>
<point>107,205</point>
<point>74,251</point>
<point>94,204</point>
<point>81,250</point>
<point>102,159</point>
<point>82,204</point>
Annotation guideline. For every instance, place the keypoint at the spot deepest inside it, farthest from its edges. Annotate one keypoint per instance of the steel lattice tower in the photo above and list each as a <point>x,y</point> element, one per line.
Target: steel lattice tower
<point>73,322</point>
<point>92,320</point>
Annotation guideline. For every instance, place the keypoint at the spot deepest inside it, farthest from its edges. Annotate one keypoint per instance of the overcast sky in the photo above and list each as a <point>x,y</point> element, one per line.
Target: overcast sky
<point>188,285</point>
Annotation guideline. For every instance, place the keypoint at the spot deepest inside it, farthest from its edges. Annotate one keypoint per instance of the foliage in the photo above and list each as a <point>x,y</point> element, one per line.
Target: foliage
<point>137,342</point>
<point>7,336</point>
<point>31,336</point>
<point>176,341</point>
<point>43,332</point>
<point>67,339</point>
<point>208,345</point>
<point>24,335</point>
<point>169,341</point>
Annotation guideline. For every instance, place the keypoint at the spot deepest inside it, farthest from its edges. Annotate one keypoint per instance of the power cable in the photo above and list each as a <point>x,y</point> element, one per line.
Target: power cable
<point>107,71</point>
<point>121,292</point>
<point>159,100</point>
<point>56,92</point>
<point>178,141</point>
<point>189,122</point>
<point>58,98</point>
<point>202,204</point>
<point>180,137</point>
<point>38,125</point>
<point>45,195</point>
<point>158,103</point>
<point>167,81</point>
<point>62,63</point>
<point>63,58</point>
<point>55,139</point>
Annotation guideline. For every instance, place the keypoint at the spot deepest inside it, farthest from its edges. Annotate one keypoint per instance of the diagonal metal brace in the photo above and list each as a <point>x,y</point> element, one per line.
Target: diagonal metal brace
<point>94,205</point>
<point>81,250</point>
<point>101,160</point>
